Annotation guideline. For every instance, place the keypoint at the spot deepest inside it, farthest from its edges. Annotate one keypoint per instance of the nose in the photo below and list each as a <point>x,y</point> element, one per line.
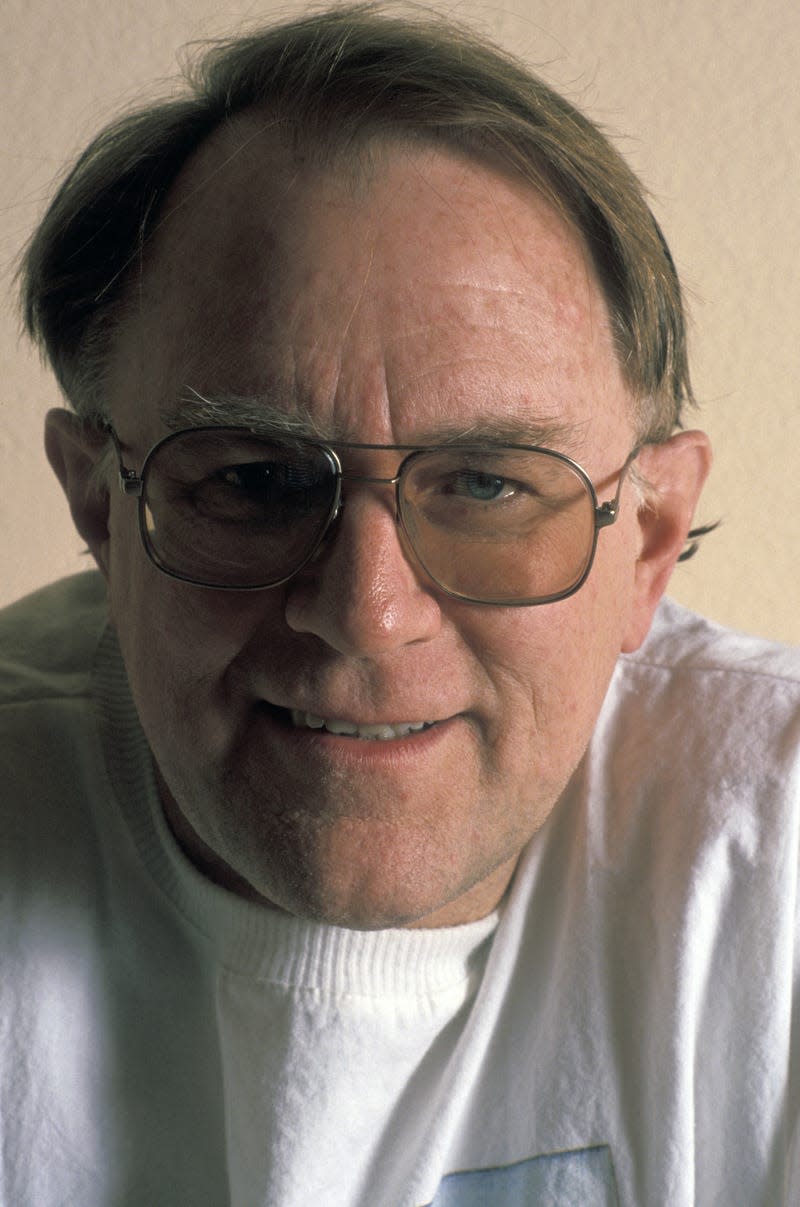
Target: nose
<point>361,595</point>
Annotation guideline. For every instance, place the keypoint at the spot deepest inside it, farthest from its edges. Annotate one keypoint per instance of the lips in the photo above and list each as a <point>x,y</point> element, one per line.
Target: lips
<point>375,733</point>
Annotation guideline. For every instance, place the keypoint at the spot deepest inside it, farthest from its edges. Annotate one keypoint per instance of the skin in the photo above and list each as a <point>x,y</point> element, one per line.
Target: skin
<point>381,306</point>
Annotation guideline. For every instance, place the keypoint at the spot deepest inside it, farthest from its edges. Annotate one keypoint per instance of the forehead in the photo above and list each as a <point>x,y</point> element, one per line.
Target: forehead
<point>350,284</point>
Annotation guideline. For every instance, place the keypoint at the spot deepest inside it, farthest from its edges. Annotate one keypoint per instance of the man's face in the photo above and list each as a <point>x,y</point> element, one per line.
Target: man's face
<point>433,294</point>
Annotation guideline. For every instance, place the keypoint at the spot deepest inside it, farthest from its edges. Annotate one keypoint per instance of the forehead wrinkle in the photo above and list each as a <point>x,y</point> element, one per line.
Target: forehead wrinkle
<point>517,398</point>
<point>481,322</point>
<point>360,296</point>
<point>564,228</point>
<point>259,414</point>
<point>529,313</point>
<point>570,232</point>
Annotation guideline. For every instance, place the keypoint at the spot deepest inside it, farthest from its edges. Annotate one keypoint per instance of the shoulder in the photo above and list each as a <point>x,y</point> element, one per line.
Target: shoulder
<point>702,714</point>
<point>48,639</point>
<point>711,684</point>
<point>681,641</point>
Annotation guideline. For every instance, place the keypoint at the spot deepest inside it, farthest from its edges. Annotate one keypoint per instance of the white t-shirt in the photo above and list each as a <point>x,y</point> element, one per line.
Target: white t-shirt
<point>624,1034</point>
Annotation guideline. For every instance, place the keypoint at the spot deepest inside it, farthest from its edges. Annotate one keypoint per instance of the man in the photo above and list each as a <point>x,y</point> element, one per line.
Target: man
<point>375,833</point>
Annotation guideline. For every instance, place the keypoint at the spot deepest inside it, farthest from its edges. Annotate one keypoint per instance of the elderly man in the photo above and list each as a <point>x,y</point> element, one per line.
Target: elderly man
<point>373,831</point>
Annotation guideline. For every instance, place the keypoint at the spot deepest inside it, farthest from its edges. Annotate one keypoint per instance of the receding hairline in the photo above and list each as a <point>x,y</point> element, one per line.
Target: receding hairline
<point>357,158</point>
<point>357,164</point>
<point>352,68</point>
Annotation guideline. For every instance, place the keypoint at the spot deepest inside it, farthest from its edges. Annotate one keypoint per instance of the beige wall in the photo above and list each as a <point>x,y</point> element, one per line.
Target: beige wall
<point>704,98</point>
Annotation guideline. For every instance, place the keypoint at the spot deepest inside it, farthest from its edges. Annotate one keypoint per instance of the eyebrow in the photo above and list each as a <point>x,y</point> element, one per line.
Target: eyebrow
<point>263,416</point>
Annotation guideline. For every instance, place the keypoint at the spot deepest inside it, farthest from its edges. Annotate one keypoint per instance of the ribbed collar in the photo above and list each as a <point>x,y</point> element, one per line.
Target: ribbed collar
<point>265,943</point>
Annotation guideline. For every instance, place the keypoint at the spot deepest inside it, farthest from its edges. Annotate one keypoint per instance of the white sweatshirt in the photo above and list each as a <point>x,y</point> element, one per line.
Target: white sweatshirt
<point>624,1034</point>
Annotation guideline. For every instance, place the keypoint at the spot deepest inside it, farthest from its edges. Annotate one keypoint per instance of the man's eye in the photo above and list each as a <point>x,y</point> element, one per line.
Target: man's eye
<point>272,492</point>
<point>258,483</point>
<point>479,485</point>
<point>246,491</point>
<point>258,478</point>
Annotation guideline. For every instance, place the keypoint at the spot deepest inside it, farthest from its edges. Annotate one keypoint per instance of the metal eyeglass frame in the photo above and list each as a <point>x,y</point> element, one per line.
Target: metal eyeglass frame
<point>605,514</point>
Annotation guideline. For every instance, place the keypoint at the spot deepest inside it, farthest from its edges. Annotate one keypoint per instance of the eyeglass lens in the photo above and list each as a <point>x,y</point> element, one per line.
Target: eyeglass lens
<point>230,509</point>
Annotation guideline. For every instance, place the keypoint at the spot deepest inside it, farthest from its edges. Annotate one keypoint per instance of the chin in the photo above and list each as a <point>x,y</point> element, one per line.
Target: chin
<point>356,875</point>
<point>364,861</point>
<point>354,887</point>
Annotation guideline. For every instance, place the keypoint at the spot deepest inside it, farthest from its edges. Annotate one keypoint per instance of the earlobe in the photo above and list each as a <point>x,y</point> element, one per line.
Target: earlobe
<point>674,474</point>
<point>74,450</point>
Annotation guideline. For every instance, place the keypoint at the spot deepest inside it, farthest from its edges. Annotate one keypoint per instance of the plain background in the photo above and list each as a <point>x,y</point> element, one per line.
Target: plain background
<point>702,96</point>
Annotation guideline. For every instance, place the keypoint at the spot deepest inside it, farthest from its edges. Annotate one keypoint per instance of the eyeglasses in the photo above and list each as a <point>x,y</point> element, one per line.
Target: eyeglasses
<point>229,508</point>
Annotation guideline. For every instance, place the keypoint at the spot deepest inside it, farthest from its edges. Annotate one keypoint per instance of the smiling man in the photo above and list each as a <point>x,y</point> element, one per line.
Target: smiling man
<point>376,834</point>
<point>435,302</point>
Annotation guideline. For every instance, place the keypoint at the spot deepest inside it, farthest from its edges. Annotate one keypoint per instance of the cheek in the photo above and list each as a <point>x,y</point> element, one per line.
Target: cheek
<point>177,640</point>
<point>550,668</point>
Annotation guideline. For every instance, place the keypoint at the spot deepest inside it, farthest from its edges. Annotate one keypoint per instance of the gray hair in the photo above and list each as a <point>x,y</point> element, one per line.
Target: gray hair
<point>344,75</point>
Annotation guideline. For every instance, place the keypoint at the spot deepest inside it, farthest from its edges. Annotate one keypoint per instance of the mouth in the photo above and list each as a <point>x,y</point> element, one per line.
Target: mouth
<point>351,729</point>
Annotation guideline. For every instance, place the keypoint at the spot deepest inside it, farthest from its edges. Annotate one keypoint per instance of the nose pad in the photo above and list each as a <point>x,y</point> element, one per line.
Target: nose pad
<point>361,593</point>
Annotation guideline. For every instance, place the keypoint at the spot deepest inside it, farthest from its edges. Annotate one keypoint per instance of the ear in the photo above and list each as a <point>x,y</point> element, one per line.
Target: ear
<point>73,450</point>
<point>674,473</point>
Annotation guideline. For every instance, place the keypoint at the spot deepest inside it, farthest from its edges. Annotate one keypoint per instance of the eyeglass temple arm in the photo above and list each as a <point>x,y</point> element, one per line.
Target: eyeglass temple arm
<point>129,481</point>
<point>607,512</point>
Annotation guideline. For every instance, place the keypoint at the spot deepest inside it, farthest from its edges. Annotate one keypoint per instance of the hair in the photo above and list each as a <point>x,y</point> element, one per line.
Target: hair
<point>343,76</point>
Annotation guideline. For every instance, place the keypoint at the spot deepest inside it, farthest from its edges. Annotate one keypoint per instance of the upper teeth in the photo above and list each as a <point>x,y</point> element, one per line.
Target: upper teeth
<point>382,733</point>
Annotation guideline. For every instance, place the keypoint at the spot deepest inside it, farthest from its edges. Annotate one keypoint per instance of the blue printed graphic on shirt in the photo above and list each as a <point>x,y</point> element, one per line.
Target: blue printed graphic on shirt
<point>584,1176</point>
